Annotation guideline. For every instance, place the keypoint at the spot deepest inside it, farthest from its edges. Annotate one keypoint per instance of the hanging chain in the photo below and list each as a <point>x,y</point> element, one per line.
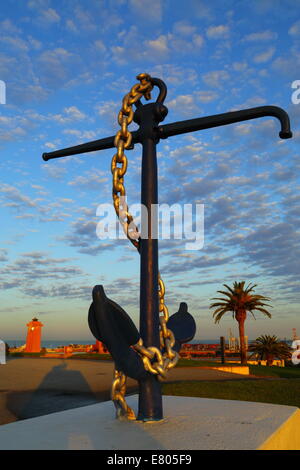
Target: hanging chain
<point>153,359</point>
<point>123,141</point>
<point>118,391</point>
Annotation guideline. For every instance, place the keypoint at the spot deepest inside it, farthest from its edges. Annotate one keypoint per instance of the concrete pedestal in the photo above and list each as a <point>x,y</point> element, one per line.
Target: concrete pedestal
<point>189,424</point>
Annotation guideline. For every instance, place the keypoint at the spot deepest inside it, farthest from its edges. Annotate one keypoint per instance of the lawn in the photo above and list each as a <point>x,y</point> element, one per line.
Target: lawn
<point>203,363</point>
<point>283,391</point>
<point>274,371</point>
<point>280,391</point>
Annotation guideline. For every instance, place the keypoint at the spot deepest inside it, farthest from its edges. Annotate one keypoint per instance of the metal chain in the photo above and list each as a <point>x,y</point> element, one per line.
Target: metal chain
<point>123,141</point>
<point>118,391</point>
<point>168,359</point>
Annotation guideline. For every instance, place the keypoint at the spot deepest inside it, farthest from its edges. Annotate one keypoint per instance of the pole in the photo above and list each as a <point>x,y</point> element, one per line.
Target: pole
<point>148,116</point>
<point>150,400</point>
<point>222,344</point>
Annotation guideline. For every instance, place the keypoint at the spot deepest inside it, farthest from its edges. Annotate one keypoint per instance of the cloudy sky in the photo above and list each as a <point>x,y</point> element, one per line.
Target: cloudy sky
<point>67,65</point>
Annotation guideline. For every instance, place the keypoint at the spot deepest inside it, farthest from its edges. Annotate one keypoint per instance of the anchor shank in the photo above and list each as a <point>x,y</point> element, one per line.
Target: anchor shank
<point>150,400</point>
<point>148,116</point>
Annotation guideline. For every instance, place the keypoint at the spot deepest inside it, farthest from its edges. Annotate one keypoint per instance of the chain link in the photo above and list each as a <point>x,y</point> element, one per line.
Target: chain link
<point>154,360</point>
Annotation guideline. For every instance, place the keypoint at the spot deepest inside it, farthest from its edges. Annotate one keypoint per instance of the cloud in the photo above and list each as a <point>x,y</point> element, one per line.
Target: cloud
<point>275,247</point>
<point>183,45</point>
<point>206,96</point>
<point>184,28</point>
<point>49,16</point>
<point>3,255</point>
<point>80,135</point>
<point>264,56</point>
<point>15,127</point>
<point>141,9</point>
<point>175,74</point>
<point>184,104</point>
<point>15,198</point>
<point>35,254</point>
<point>287,65</point>
<point>15,43</point>
<point>93,179</point>
<point>8,26</point>
<point>74,113</point>
<point>71,114</point>
<point>100,46</point>
<point>84,18</point>
<point>217,32</point>
<point>70,26</point>
<point>66,291</point>
<point>31,268</point>
<point>83,236</point>
<point>259,36</point>
<point>57,66</point>
<point>158,46</point>
<point>55,172</point>
<point>195,263</point>
<point>215,78</point>
<point>295,29</point>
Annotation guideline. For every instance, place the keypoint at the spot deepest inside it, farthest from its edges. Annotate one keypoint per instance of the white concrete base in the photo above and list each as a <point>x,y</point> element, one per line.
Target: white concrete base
<point>190,423</point>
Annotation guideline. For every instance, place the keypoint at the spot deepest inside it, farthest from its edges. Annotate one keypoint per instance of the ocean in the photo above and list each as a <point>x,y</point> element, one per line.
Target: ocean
<point>48,343</point>
<point>55,343</point>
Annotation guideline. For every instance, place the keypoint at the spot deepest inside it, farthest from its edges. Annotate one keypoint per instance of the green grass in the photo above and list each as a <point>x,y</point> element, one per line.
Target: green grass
<point>94,356</point>
<point>25,354</point>
<point>274,371</point>
<point>200,363</point>
<point>280,392</point>
<point>259,371</point>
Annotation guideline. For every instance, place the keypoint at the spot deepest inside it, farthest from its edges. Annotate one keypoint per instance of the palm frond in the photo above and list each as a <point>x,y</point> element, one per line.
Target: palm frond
<point>240,298</point>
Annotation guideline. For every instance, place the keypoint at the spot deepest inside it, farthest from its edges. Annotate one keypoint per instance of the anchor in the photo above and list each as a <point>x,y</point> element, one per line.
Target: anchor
<point>146,355</point>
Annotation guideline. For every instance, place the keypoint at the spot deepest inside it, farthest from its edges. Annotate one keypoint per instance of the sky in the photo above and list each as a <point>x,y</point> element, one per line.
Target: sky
<point>67,65</point>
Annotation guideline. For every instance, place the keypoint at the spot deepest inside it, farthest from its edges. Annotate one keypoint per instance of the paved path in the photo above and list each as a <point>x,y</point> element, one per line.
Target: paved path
<point>32,387</point>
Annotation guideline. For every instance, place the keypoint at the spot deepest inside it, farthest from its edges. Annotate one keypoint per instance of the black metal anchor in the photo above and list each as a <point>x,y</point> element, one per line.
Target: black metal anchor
<point>111,325</point>
<point>149,133</point>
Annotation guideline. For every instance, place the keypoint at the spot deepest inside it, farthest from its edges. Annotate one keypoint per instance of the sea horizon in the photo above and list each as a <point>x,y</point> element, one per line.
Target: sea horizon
<point>55,343</point>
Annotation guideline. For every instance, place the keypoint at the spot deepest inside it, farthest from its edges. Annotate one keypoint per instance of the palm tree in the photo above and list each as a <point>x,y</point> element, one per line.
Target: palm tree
<point>240,300</point>
<point>268,348</point>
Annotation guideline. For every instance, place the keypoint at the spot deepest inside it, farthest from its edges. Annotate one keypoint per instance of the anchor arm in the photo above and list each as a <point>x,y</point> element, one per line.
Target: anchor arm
<point>216,120</point>
<point>101,144</point>
<point>182,127</point>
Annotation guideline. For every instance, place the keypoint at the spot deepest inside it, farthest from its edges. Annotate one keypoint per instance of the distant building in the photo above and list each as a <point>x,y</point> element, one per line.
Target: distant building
<point>34,335</point>
<point>100,347</point>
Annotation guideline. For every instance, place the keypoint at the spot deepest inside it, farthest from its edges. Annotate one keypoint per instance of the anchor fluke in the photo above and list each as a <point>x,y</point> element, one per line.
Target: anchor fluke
<point>183,325</point>
<point>110,324</point>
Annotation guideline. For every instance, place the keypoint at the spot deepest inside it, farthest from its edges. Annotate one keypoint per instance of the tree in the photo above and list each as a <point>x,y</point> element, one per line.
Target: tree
<point>268,348</point>
<point>239,300</point>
